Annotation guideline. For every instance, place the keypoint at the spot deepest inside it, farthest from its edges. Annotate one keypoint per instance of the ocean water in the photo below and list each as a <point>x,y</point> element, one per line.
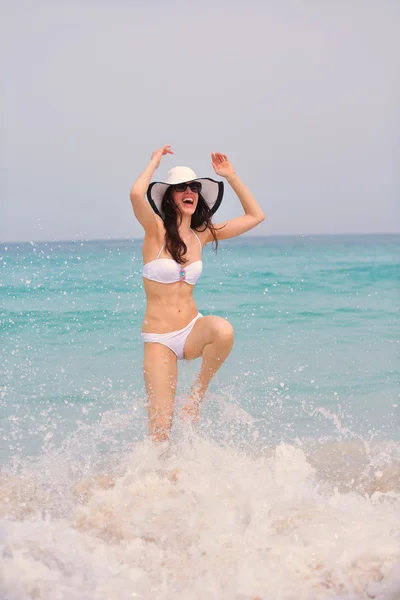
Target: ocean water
<point>287,488</point>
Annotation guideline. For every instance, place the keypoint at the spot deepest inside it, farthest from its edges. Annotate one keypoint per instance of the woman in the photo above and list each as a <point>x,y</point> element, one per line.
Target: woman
<point>177,224</point>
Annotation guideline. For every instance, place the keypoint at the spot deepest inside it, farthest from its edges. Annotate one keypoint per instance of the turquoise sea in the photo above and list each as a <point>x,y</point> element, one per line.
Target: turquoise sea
<point>289,487</point>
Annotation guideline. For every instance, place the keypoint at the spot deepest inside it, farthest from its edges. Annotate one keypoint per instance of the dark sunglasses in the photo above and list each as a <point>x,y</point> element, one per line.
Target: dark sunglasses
<point>195,186</point>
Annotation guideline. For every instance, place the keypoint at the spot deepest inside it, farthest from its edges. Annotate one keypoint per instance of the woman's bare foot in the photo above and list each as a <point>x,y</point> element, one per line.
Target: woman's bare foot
<point>191,411</point>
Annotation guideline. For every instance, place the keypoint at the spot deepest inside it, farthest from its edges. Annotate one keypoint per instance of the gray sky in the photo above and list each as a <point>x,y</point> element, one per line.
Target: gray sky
<point>303,97</point>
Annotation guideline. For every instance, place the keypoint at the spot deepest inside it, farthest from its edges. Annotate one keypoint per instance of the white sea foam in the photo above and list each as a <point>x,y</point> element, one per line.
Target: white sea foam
<point>200,520</point>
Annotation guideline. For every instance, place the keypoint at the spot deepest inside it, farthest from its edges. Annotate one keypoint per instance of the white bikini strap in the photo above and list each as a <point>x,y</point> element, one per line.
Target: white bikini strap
<point>201,247</point>
<point>162,248</point>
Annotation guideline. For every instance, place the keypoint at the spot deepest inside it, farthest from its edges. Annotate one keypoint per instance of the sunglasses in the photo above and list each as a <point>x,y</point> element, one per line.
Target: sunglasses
<point>195,186</point>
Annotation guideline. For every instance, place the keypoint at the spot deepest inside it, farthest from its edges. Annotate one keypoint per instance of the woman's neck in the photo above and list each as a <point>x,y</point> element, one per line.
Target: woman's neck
<point>184,228</point>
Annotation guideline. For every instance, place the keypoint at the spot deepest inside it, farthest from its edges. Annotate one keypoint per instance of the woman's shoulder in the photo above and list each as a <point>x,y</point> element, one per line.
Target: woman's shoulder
<point>155,239</point>
<point>156,234</point>
<point>204,234</point>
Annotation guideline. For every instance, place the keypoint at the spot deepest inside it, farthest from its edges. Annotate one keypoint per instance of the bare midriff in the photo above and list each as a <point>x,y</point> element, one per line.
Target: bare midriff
<point>170,306</point>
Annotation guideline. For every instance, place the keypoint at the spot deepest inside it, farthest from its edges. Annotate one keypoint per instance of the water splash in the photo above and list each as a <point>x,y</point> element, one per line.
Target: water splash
<point>200,519</point>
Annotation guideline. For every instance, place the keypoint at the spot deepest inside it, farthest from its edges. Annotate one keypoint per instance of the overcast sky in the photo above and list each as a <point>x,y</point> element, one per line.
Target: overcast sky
<point>303,97</point>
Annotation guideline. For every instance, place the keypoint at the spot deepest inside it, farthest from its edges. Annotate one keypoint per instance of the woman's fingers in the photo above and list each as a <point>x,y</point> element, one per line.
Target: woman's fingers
<point>159,153</point>
<point>164,150</point>
<point>220,157</point>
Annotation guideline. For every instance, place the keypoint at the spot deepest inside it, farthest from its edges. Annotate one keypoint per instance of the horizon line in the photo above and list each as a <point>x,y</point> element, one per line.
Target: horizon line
<point>134,239</point>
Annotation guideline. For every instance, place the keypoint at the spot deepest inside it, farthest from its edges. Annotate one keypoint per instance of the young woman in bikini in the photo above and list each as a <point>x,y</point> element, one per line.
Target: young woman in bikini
<point>177,220</point>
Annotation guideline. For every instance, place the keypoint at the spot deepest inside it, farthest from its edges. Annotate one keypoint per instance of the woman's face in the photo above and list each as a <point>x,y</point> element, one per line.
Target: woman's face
<point>186,196</point>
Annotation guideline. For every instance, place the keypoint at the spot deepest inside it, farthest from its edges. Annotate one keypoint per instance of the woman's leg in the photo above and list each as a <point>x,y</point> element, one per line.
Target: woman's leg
<point>212,339</point>
<point>160,372</point>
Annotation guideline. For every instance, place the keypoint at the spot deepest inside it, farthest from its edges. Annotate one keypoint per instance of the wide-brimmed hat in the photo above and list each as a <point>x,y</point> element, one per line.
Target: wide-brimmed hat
<point>211,190</point>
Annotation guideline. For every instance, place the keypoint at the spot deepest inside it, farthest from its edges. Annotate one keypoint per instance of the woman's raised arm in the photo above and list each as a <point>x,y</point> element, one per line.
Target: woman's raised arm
<point>253,215</point>
<point>142,209</point>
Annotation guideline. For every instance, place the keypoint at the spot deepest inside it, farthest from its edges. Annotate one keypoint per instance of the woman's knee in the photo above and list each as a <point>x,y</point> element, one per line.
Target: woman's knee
<point>224,331</point>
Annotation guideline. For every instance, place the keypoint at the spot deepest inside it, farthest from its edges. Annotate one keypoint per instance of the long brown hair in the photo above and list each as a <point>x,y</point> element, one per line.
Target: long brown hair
<point>172,219</point>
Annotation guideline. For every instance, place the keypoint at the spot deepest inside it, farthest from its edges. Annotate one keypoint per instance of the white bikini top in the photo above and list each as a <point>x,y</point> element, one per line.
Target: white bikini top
<point>167,270</point>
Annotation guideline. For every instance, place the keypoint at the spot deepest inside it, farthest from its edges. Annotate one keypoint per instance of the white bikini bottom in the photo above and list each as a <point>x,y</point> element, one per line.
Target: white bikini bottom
<point>174,340</point>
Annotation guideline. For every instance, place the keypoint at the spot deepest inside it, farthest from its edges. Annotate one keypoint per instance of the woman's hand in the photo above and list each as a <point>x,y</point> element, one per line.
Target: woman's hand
<point>158,154</point>
<point>221,165</point>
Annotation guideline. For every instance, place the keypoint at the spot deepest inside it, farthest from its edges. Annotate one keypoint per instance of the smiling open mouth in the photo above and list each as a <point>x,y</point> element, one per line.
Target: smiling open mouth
<point>187,201</point>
